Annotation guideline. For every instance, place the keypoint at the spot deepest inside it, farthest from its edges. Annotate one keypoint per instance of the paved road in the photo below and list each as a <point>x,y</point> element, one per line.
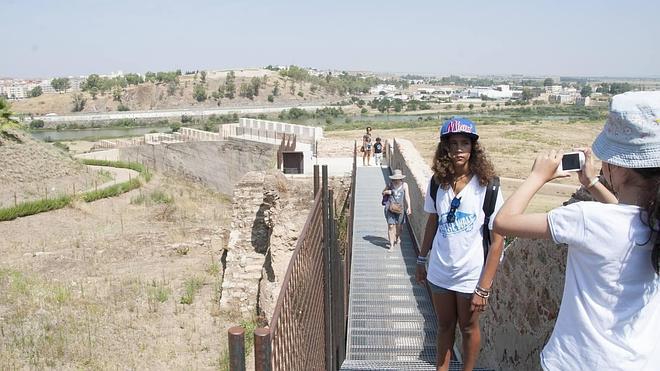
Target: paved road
<point>195,112</point>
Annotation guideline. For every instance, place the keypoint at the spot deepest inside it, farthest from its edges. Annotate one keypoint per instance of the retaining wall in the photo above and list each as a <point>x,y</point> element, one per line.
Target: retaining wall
<point>218,164</point>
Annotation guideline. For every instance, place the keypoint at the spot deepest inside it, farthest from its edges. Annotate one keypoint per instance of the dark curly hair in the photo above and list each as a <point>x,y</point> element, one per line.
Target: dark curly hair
<point>652,217</point>
<point>443,168</point>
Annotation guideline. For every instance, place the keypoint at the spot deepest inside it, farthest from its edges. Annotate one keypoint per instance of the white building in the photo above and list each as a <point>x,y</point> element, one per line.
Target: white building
<point>387,88</point>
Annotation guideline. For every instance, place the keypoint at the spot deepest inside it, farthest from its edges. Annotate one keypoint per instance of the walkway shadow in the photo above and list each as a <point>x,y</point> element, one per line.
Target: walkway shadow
<point>375,240</point>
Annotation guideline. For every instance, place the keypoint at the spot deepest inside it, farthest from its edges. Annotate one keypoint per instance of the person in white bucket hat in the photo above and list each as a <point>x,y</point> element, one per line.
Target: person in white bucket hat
<point>610,309</point>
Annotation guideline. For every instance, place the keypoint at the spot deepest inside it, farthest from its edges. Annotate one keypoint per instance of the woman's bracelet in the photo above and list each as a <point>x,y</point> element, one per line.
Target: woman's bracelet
<point>481,294</point>
<point>421,260</point>
<point>593,182</point>
<point>483,289</point>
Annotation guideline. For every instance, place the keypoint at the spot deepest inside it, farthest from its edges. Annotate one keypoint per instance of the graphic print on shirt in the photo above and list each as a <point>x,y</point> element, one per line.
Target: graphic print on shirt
<point>464,223</point>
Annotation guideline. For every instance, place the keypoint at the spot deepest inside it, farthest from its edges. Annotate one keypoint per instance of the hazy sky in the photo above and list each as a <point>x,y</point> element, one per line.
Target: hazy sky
<point>534,37</point>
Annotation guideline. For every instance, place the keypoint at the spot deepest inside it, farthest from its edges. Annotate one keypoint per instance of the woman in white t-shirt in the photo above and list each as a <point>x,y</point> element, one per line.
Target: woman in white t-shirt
<point>453,230</point>
<point>610,310</point>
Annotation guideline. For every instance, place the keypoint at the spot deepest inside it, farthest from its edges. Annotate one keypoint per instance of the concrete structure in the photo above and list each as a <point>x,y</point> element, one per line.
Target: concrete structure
<point>217,164</point>
<point>307,134</point>
<point>386,88</point>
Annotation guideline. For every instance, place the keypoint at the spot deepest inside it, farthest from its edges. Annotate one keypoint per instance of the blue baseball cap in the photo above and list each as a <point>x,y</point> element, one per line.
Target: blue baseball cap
<point>459,125</point>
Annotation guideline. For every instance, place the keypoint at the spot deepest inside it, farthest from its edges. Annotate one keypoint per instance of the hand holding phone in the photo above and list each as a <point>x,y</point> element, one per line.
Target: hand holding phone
<point>571,161</point>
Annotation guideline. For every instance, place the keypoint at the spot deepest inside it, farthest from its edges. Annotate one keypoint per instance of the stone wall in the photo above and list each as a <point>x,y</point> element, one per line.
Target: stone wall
<point>249,239</point>
<point>406,157</point>
<point>218,165</point>
<point>269,213</point>
<point>527,289</point>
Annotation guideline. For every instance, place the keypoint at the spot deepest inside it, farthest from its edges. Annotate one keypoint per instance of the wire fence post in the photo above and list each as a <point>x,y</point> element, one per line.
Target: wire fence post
<point>329,348</point>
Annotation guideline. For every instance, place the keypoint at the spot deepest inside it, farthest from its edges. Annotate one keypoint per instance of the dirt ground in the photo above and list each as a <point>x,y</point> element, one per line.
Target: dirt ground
<point>130,282</point>
<point>512,148</point>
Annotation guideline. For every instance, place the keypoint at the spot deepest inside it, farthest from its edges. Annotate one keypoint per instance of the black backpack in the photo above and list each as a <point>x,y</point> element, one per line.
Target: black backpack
<point>489,206</point>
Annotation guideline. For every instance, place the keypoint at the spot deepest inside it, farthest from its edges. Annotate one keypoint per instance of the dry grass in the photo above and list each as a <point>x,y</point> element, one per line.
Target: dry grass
<point>512,148</point>
<point>95,281</point>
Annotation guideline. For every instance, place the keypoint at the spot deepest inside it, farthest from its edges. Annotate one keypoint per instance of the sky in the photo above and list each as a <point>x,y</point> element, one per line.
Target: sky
<point>613,38</point>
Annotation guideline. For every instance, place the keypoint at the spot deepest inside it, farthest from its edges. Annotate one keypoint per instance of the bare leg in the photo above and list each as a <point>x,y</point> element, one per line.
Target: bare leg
<point>391,234</point>
<point>399,227</point>
<point>445,310</point>
<point>468,322</point>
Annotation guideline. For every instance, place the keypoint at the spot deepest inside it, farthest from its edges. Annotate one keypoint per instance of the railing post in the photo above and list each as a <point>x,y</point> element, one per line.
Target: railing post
<point>316,180</point>
<point>262,350</point>
<point>325,196</point>
<point>236,348</point>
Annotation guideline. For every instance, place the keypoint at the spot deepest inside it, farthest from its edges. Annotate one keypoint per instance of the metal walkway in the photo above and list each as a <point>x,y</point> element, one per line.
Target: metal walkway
<point>391,321</point>
<point>391,324</point>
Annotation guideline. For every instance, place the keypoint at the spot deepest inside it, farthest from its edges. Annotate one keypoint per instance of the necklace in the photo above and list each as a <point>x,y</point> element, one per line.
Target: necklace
<point>456,179</point>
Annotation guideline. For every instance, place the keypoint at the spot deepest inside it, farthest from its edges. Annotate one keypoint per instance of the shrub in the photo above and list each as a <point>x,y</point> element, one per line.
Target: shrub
<point>34,207</point>
<point>37,124</point>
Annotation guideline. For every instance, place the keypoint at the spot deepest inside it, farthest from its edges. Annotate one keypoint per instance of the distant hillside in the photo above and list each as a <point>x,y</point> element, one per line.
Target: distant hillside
<point>155,96</point>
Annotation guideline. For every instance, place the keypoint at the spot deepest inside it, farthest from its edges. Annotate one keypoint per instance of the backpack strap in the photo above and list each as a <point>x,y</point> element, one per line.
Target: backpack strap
<point>492,189</point>
<point>434,191</point>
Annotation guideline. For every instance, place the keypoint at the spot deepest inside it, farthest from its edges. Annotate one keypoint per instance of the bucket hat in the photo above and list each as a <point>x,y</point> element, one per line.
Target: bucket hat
<point>631,135</point>
<point>397,174</point>
<point>460,125</point>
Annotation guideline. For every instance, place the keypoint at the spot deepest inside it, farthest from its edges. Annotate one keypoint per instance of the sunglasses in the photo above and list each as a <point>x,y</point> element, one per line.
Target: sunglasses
<point>455,203</point>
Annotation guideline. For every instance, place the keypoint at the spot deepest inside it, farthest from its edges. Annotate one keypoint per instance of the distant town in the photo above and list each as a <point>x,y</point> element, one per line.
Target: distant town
<point>534,90</point>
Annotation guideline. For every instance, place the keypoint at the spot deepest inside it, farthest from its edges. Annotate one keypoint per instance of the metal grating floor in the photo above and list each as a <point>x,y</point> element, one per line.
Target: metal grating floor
<point>391,321</point>
<point>391,324</point>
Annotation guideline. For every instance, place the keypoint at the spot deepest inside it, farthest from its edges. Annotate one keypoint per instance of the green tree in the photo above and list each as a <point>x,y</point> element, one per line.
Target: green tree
<point>199,93</point>
<point>364,111</point>
<point>527,94</point>
<point>276,89</point>
<point>471,106</point>
<point>78,102</point>
<point>271,99</point>
<point>94,92</point>
<point>230,85</point>
<point>6,114</point>
<point>255,84</point>
<point>586,91</point>
<point>150,77</point>
<point>203,77</point>
<point>133,79</point>
<point>620,87</point>
<point>483,104</point>
<point>246,91</point>
<point>35,92</point>
<point>460,106</point>
<point>301,94</point>
<point>548,82</point>
<point>37,124</point>
<point>92,81</point>
<point>60,84</point>
<point>117,93</point>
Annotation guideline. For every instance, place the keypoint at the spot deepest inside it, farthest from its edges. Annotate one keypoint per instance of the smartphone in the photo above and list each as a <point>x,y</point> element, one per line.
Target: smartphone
<point>572,161</point>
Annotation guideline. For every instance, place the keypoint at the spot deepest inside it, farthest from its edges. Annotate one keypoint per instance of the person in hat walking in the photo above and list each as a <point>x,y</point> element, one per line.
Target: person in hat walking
<point>396,200</point>
<point>458,273</point>
<point>610,309</point>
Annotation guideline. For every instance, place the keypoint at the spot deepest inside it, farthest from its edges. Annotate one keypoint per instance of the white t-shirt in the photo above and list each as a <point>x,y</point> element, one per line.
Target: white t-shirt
<point>610,311</point>
<point>457,256</point>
